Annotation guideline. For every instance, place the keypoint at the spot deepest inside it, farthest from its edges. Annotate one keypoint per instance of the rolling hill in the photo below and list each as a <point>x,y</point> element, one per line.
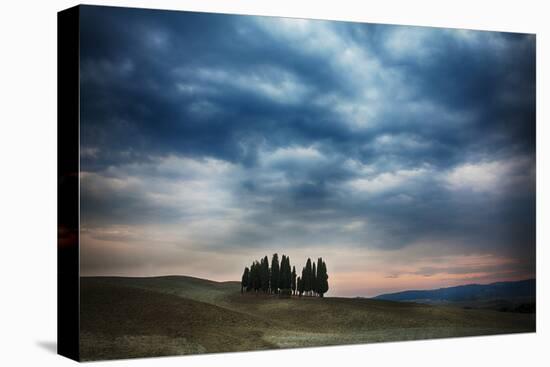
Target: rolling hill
<point>143,317</point>
<point>506,291</point>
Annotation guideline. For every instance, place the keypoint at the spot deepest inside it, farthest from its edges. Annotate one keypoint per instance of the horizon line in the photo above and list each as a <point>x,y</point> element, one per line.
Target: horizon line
<point>356,296</point>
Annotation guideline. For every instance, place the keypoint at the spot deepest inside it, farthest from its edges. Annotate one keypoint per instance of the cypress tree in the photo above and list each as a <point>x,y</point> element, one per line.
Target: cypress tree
<point>282,272</point>
<point>258,276</point>
<point>264,274</point>
<point>293,285</point>
<point>322,277</point>
<point>275,273</point>
<point>300,286</point>
<point>251,278</point>
<point>288,272</point>
<point>255,276</point>
<point>303,279</point>
<point>244,279</point>
<point>307,277</point>
<point>314,279</point>
<point>258,283</point>
<point>284,275</point>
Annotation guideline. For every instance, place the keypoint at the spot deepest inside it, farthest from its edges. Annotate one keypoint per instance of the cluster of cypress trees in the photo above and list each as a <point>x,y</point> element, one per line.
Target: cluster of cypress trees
<point>260,277</point>
<point>314,279</point>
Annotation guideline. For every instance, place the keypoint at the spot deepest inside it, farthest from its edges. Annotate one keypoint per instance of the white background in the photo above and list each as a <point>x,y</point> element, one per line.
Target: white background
<point>28,183</point>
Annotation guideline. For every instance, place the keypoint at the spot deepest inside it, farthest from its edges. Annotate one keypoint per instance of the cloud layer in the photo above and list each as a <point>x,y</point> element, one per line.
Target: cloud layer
<point>208,136</point>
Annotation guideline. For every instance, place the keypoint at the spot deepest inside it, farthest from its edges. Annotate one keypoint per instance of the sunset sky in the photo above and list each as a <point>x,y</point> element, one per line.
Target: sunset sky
<point>404,156</point>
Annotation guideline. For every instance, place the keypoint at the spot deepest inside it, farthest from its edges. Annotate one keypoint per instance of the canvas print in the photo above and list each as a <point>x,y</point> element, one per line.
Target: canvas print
<point>251,183</point>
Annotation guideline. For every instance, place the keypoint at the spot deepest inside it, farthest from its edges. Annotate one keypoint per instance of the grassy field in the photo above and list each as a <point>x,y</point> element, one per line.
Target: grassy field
<point>144,317</point>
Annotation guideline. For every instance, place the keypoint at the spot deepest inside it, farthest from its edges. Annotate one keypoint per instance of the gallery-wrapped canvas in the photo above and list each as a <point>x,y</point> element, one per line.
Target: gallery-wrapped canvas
<point>240,183</point>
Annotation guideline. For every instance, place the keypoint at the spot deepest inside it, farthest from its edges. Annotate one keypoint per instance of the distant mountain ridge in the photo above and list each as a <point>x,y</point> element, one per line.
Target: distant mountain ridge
<point>470,292</point>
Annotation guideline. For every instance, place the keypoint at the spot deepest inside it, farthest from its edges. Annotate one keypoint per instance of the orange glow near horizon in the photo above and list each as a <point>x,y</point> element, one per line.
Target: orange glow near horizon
<point>388,271</point>
<point>438,273</point>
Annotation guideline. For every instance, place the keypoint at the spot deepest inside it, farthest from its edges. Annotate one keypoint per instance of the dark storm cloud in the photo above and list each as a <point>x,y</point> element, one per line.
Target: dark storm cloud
<point>311,131</point>
<point>137,87</point>
<point>148,76</point>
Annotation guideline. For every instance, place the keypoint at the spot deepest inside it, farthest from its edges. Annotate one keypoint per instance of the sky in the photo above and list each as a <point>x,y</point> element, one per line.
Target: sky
<point>404,156</point>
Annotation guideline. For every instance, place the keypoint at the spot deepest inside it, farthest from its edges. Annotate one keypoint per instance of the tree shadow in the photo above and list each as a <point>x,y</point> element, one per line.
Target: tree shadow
<point>50,346</point>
